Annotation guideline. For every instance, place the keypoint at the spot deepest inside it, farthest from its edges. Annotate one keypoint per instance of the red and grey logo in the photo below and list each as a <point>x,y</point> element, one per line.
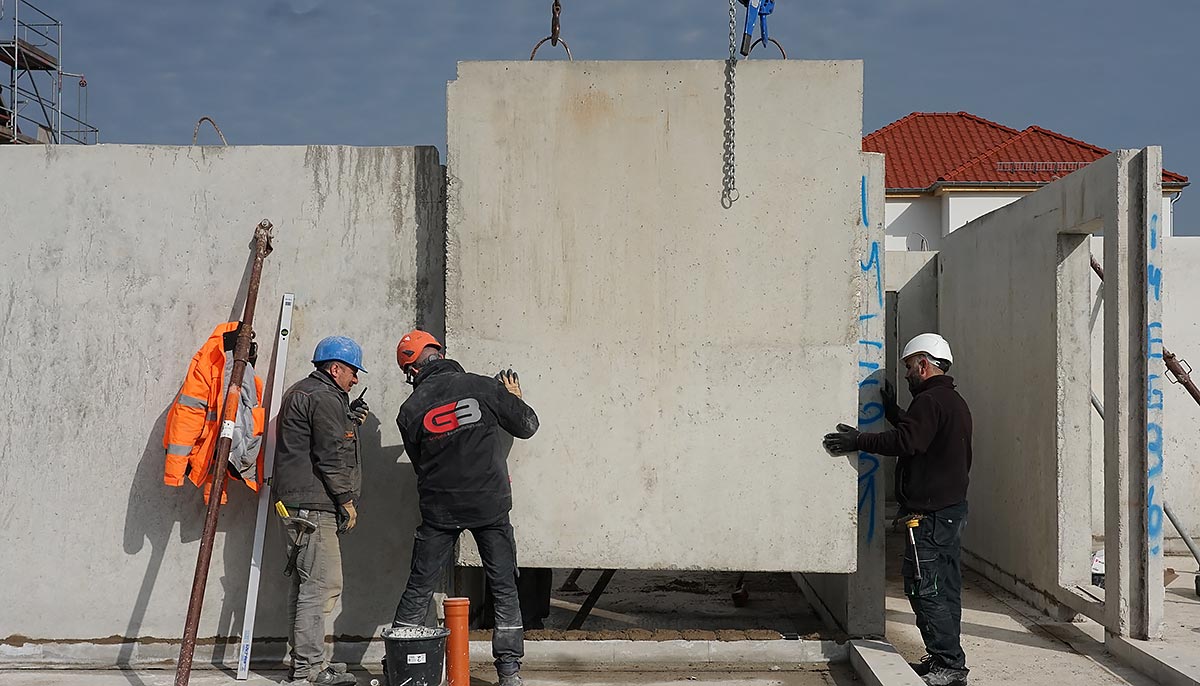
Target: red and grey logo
<point>450,416</point>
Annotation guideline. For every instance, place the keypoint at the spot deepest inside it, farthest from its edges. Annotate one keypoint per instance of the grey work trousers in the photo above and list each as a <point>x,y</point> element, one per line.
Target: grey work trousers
<point>316,587</point>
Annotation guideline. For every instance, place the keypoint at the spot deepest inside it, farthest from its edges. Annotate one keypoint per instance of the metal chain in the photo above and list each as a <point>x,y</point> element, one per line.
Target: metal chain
<point>729,192</point>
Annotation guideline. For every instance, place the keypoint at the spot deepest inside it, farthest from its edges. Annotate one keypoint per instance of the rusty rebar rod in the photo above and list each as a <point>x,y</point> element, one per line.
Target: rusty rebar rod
<point>1180,370</point>
<point>241,354</point>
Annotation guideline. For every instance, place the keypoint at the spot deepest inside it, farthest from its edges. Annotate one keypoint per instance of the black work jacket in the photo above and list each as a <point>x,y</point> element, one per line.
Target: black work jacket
<point>933,442</point>
<point>317,462</point>
<point>451,426</point>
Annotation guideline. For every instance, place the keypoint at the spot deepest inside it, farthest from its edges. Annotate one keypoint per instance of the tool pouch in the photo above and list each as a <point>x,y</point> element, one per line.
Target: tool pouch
<point>928,585</point>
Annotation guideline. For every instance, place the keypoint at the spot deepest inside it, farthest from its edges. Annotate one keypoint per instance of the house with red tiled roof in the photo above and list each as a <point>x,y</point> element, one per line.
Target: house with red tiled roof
<point>945,169</point>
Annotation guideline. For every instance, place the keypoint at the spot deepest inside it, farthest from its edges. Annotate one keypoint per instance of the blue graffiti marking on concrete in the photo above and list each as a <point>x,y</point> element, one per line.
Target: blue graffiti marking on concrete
<point>1154,397</point>
<point>875,262</point>
<point>1152,393</point>
<point>1150,352</point>
<point>1154,523</point>
<point>866,482</point>
<point>1155,446</point>
<point>869,412</point>
<point>1154,280</point>
<point>865,222</point>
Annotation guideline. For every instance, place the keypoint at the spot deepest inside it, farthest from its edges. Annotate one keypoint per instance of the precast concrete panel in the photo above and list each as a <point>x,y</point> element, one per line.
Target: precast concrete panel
<point>118,263</point>
<point>1016,302</point>
<point>685,358</point>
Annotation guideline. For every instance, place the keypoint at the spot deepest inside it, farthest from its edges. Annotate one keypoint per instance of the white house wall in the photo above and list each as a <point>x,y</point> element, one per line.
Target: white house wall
<point>904,218</point>
<point>964,208</point>
<point>936,216</point>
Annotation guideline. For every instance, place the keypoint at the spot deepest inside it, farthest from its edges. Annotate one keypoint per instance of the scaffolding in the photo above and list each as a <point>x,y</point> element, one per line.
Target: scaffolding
<point>31,99</point>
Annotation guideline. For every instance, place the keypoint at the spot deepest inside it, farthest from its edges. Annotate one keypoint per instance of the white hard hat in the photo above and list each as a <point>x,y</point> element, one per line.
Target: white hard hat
<point>931,344</point>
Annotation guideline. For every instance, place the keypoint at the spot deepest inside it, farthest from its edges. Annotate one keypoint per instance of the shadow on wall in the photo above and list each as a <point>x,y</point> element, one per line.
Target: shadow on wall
<point>151,515</point>
<point>377,554</point>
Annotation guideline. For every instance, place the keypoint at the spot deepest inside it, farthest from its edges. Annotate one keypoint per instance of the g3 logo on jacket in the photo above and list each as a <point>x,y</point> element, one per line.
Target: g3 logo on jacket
<point>445,418</point>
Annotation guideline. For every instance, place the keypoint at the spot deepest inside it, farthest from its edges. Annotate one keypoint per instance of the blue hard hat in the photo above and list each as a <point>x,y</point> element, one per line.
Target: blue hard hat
<point>339,349</point>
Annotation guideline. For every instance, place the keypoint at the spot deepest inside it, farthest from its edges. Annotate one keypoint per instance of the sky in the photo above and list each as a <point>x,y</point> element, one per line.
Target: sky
<point>1115,74</point>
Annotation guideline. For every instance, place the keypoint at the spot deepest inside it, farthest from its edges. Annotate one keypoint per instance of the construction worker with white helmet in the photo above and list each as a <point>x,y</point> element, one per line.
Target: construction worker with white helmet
<point>453,428</point>
<point>318,478</point>
<point>932,440</point>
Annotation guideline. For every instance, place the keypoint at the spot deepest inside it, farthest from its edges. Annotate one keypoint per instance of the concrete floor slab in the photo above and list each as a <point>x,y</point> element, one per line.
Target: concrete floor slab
<point>838,675</point>
<point>1007,641</point>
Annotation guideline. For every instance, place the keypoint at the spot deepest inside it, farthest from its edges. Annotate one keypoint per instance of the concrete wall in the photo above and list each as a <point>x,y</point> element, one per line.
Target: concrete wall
<point>997,307</point>
<point>856,601</point>
<point>1015,304</point>
<point>685,359</point>
<point>912,285</point>
<point>119,262</point>
<point>1181,335</point>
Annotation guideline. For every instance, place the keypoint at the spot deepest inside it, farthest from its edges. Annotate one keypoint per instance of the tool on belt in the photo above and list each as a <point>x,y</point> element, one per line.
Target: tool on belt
<point>912,521</point>
<point>306,528</point>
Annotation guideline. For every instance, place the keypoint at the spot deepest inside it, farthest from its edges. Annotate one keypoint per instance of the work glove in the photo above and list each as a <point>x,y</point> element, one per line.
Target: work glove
<point>347,517</point>
<point>888,396</point>
<point>510,381</point>
<point>359,411</point>
<point>843,442</point>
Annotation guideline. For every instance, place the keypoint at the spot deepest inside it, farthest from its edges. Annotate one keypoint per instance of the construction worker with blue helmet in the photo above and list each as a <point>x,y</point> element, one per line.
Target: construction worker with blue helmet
<point>318,478</point>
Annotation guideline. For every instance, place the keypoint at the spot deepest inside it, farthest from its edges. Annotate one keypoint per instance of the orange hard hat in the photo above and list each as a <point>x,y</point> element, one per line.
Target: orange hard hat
<point>412,344</point>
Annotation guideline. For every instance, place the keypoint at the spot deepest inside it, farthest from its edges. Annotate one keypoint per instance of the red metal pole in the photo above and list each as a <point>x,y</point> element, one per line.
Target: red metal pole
<point>241,353</point>
<point>1174,365</point>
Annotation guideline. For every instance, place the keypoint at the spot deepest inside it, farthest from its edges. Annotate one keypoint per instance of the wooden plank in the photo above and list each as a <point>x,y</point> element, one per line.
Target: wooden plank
<point>30,56</point>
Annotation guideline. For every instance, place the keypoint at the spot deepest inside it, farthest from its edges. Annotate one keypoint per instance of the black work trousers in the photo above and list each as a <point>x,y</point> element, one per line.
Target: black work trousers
<point>431,555</point>
<point>936,597</point>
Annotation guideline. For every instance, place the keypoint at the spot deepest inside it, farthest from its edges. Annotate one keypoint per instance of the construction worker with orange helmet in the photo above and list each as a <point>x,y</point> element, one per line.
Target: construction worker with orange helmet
<point>451,426</point>
<point>318,478</point>
<point>933,441</point>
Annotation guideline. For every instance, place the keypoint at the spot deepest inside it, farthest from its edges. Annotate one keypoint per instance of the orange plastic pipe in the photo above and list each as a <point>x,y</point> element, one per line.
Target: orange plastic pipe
<point>458,645</point>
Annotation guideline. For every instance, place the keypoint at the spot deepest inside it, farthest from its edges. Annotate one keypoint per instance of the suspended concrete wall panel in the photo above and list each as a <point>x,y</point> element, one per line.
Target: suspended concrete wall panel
<point>685,359</point>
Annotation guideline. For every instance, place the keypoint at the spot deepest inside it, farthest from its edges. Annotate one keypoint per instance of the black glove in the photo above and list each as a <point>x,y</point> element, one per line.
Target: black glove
<point>888,396</point>
<point>359,411</point>
<point>347,517</point>
<point>843,442</point>
<point>511,383</point>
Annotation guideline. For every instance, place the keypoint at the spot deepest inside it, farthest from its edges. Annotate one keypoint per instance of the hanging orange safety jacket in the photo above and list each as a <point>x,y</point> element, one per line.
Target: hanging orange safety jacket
<point>193,422</point>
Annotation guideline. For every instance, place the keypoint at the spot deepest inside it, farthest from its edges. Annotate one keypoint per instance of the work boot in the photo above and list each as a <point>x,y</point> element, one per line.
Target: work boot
<point>945,676</point>
<point>510,680</point>
<point>328,677</point>
<point>922,668</point>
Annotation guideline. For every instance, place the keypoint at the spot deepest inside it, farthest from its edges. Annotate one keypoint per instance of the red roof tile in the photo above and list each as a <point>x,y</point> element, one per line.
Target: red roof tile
<point>928,149</point>
<point>923,146</point>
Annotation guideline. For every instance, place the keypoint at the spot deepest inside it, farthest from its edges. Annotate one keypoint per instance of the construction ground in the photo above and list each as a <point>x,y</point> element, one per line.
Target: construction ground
<point>687,329</point>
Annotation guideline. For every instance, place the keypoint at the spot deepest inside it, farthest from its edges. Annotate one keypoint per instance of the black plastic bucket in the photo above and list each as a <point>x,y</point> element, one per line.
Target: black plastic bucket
<point>413,655</point>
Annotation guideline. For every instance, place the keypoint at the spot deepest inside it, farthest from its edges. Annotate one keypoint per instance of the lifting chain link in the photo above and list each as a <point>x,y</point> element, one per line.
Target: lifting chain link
<point>729,192</point>
<point>555,32</point>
